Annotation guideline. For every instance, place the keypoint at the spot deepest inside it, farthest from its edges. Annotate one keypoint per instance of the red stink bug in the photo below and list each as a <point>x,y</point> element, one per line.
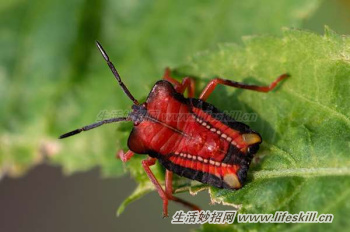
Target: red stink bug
<point>188,136</point>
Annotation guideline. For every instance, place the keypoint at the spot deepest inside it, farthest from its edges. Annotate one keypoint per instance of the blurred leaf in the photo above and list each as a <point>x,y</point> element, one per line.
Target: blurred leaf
<point>52,78</point>
<point>303,164</point>
<point>141,190</point>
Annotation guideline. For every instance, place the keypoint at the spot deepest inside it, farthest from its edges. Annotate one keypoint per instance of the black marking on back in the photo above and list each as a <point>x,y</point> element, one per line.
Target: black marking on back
<point>234,155</point>
<point>189,173</point>
<point>220,116</point>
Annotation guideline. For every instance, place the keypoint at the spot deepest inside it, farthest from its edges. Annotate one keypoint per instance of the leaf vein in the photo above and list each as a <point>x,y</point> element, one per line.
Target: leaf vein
<point>302,172</point>
<point>326,108</point>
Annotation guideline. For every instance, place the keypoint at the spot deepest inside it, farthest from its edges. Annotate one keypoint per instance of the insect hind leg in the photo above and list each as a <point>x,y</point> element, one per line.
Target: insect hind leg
<point>213,83</point>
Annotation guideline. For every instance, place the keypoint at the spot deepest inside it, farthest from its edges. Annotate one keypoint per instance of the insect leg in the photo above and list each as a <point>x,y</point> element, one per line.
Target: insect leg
<point>169,191</point>
<point>167,76</point>
<point>213,83</point>
<point>166,196</point>
<point>169,183</point>
<point>146,164</point>
<point>187,83</point>
<point>125,156</point>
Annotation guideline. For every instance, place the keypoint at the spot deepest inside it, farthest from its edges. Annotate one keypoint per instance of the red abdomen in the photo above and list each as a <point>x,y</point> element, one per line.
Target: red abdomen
<point>194,139</point>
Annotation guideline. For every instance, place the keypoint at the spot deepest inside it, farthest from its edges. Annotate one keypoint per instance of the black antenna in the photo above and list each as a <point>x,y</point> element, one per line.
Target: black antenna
<point>115,73</point>
<point>94,125</point>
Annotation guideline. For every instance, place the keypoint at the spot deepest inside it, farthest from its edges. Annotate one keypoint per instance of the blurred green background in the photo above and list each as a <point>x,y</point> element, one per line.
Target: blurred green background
<point>52,79</point>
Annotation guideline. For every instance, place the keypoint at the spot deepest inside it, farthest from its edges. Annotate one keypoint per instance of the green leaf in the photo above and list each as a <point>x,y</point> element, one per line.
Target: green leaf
<point>141,190</point>
<point>303,163</point>
<point>52,78</point>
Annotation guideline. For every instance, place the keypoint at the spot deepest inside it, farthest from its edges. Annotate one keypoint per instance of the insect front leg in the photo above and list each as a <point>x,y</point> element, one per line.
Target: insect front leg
<point>213,83</point>
<point>125,156</point>
<point>187,83</point>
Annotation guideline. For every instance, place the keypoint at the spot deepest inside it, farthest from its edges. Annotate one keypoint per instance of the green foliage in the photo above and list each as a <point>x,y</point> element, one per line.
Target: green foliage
<point>303,163</point>
<point>52,79</point>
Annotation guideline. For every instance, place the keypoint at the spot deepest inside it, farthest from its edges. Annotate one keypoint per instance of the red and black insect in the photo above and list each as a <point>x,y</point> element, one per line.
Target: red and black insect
<point>188,136</point>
